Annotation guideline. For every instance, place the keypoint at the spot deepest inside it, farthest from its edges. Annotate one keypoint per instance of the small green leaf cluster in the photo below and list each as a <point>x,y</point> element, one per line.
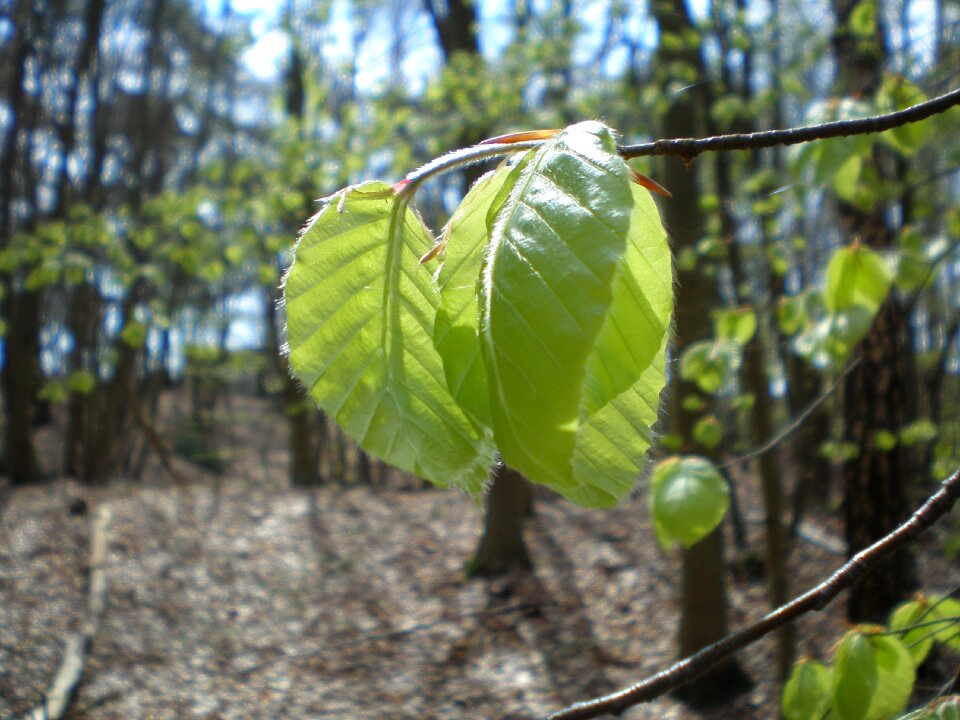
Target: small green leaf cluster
<point>541,336</point>
<point>713,364</point>
<point>836,317</point>
<point>874,668</point>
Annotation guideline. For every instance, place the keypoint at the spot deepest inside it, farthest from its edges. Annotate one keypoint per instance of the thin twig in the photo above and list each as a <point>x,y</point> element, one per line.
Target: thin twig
<point>77,645</point>
<point>782,435</point>
<point>816,599</point>
<point>689,148</point>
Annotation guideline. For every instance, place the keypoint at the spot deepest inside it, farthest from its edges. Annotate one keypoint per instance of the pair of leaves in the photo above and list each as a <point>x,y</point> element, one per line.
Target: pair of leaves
<point>925,621</point>
<point>543,335</point>
<point>857,283</point>
<point>871,679</point>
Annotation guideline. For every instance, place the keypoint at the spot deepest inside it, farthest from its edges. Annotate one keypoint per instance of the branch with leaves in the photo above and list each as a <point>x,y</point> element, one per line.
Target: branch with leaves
<point>818,598</point>
<point>536,327</point>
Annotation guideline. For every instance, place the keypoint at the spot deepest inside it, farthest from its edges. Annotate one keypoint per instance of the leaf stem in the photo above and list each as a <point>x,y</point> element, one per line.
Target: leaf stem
<point>461,158</point>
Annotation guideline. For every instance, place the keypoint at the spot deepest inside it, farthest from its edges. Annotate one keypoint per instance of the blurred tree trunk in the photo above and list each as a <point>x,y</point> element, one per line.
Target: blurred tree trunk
<point>20,307</point>
<point>456,24</point>
<point>152,114</point>
<point>304,437</point>
<point>502,547</point>
<point>703,580</point>
<point>509,497</point>
<point>875,484</point>
<point>752,284</point>
<point>84,305</point>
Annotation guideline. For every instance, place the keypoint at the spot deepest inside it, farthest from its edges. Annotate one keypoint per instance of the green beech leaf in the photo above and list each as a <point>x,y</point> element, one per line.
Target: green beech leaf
<point>791,314</point>
<point>688,499</point>
<point>360,312</point>
<point>708,431</point>
<point>737,325</point>
<point>895,676</point>
<point>82,382</point>
<point>856,277</point>
<point>134,334</point>
<point>854,677</point>
<point>947,708</point>
<point>897,93</point>
<point>710,363</point>
<point>575,302</point>
<point>863,19</point>
<point>455,333</point>
<point>806,695</point>
<point>948,610</point>
<point>919,431</point>
<point>918,641</point>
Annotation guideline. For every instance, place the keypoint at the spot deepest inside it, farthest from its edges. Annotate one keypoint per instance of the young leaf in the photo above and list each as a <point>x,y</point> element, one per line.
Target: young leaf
<point>710,363</point>
<point>854,677</point>
<point>948,610</point>
<point>708,431</point>
<point>917,641</point>
<point>737,325</point>
<point>575,301</point>
<point>806,696</point>
<point>455,333</point>
<point>360,312</point>
<point>688,499</point>
<point>947,708</point>
<point>895,676</point>
<point>856,277</point>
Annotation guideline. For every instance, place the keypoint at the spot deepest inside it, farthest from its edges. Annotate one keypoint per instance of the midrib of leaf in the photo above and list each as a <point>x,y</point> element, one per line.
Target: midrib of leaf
<point>391,341</point>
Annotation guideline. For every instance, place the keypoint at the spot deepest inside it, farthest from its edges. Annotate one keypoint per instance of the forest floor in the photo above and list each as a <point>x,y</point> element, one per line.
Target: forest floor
<point>240,597</point>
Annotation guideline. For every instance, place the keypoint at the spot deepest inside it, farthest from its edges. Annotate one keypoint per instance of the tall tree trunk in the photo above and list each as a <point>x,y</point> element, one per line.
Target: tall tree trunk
<point>703,584</point>
<point>300,411</point>
<point>84,311</point>
<point>21,308</point>
<point>875,484</point>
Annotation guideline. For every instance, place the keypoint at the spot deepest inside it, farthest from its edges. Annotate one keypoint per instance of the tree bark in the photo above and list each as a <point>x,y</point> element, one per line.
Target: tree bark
<point>875,491</point>
<point>21,308</point>
<point>703,578</point>
<point>502,547</point>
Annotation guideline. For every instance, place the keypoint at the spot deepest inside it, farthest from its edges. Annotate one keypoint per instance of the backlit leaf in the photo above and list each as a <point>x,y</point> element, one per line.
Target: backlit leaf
<point>360,312</point>
<point>688,499</point>
<point>456,328</point>
<point>575,301</point>
<point>854,677</point>
<point>806,695</point>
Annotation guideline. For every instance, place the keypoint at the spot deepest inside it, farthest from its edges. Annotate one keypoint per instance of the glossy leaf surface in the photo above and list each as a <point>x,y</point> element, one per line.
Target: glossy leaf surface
<point>575,301</point>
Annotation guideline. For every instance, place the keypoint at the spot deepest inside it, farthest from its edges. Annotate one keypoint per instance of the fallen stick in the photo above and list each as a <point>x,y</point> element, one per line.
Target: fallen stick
<point>58,696</point>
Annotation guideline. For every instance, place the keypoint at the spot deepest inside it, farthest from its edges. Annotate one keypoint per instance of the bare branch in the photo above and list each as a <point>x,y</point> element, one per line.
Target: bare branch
<point>816,599</point>
<point>689,148</point>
